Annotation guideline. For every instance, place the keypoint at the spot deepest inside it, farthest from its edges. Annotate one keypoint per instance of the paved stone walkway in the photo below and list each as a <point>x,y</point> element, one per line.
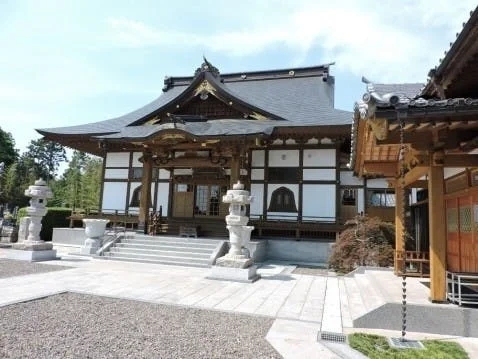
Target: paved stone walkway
<point>302,305</point>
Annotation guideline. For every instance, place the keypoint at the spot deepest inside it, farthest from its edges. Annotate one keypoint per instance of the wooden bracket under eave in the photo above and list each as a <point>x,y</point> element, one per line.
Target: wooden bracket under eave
<point>379,127</point>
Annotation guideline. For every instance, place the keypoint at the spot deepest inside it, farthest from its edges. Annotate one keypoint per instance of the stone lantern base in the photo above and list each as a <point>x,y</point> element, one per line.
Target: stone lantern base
<point>32,251</point>
<point>235,269</point>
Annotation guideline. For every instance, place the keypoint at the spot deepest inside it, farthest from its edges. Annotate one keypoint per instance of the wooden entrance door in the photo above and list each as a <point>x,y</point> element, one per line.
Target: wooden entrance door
<point>183,200</point>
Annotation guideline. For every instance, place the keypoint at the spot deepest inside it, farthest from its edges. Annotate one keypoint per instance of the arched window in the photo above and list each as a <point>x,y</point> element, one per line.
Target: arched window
<point>136,198</point>
<point>282,200</point>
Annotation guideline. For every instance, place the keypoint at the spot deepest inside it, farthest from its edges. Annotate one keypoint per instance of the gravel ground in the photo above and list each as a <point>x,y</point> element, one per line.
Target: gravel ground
<point>310,270</point>
<point>11,268</point>
<point>74,325</point>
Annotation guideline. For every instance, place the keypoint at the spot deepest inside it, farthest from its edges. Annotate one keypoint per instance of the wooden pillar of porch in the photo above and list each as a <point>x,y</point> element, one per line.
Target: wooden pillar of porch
<point>235,168</point>
<point>145,199</point>
<point>437,230</point>
<point>399,226</point>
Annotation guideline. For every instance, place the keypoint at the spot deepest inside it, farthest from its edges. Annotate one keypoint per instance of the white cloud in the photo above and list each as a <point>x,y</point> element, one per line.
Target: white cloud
<point>381,40</point>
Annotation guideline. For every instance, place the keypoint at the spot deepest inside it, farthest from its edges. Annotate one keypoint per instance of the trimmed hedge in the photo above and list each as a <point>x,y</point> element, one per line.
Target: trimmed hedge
<point>55,217</point>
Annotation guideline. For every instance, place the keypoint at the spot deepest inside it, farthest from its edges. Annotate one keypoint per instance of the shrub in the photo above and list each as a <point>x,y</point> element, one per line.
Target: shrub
<point>366,242</point>
<point>55,217</point>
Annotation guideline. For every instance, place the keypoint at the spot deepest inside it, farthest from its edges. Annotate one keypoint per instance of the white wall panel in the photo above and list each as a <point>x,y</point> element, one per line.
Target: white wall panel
<point>347,178</point>
<point>258,158</point>
<point>284,158</point>
<point>319,174</point>
<point>114,196</point>
<point>319,201</point>
<point>257,174</point>
<point>163,174</point>
<point>117,159</point>
<point>116,173</point>
<point>136,156</point>
<point>163,197</point>
<point>319,158</point>
<point>257,205</point>
<point>377,183</point>
<point>360,200</point>
<point>183,171</point>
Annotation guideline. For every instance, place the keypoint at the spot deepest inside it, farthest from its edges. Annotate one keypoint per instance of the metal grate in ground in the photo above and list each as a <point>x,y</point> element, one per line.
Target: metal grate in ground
<point>398,343</point>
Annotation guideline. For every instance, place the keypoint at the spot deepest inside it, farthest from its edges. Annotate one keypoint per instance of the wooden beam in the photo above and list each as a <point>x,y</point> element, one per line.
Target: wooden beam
<point>414,175</point>
<point>387,169</point>
<point>418,184</point>
<point>437,230</point>
<point>145,198</point>
<point>461,160</point>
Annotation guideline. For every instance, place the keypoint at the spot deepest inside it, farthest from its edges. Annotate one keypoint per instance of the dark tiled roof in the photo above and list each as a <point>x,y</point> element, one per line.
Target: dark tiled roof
<point>302,99</point>
<point>409,91</point>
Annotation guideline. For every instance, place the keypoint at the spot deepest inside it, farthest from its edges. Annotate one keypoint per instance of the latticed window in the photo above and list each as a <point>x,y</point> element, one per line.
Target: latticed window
<point>282,200</point>
<point>381,198</point>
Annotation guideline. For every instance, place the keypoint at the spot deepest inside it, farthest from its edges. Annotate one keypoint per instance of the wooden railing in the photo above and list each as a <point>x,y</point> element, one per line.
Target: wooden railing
<point>417,263</point>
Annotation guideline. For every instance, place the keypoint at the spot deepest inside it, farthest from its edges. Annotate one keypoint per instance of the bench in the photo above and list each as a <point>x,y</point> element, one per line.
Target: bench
<point>188,231</point>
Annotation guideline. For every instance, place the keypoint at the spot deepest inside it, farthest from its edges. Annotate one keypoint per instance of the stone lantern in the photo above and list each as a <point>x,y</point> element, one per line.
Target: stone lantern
<point>236,265</point>
<point>33,248</point>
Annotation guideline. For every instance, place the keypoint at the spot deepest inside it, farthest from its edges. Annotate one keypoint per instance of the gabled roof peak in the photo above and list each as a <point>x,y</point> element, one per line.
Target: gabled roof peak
<point>207,67</point>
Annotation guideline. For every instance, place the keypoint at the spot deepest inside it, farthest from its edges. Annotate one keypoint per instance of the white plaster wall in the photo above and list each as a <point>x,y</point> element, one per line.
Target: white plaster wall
<point>163,197</point>
<point>257,205</point>
<point>360,200</point>
<point>116,173</point>
<point>163,174</point>
<point>323,174</point>
<point>257,174</point>
<point>258,158</point>
<point>284,158</point>
<point>319,201</point>
<point>450,172</point>
<point>348,178</point>
<point>319,158</point>
<point>136,156</point>
<point>117,159</point>
<point>377,183</point>
<point>283,215</point>
<point>114,196</point>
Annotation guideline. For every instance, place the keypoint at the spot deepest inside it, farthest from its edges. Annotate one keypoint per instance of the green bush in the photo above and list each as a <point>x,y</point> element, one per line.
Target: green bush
<point>55,217</point>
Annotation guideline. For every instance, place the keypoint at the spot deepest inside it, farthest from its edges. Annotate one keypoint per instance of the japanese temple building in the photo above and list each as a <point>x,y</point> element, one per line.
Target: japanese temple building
<point>437,125</point>
<point>277,131</point>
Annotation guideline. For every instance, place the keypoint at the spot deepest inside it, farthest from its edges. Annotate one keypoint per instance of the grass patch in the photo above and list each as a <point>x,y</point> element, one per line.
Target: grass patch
<point>376,347</point>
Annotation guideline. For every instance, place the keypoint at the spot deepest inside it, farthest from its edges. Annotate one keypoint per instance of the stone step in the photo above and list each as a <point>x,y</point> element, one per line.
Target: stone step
<point>176,240</point>
<point>157,252</point>
<point>170,243</point>
<point>355,300</point>
<point>374,297</point>
<point>154,261</point>
<point>167,247</point>
<point>183,260</point>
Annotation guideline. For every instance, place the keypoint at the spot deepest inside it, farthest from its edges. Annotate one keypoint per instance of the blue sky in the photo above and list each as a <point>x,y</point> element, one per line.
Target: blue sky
<point>71,62</point>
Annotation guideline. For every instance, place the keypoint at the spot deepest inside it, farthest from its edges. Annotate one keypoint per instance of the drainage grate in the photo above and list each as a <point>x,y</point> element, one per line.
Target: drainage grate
<point>333,337</point>
<point>398,343</point>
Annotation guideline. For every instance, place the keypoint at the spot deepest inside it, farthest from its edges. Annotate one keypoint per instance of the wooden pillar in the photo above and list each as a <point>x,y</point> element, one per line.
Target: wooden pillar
<point>145,199</point>
<point>399,226</point>
<point>235,168</point>
<point>437,230</point>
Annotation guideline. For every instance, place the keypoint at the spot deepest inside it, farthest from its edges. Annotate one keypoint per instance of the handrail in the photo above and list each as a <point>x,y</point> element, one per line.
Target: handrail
<point>114,238</point>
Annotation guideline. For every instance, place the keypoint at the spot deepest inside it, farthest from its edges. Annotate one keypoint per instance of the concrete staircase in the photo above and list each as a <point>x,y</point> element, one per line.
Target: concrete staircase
<point>196,252</point>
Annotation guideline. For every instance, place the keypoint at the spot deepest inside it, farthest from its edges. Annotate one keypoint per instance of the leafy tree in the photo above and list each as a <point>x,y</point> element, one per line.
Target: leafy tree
<point>8,153</point>
<point>80,185</point>
<point>46,156</point>
<point>17,178</point>
<point>366,242</point>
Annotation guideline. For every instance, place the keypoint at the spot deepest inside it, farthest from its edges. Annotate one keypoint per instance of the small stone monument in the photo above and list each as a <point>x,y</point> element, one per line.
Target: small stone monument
<point>32,248</point>
<point>236,264</point>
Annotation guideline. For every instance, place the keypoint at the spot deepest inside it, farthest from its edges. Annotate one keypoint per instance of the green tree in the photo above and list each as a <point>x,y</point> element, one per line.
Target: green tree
<point>46,156</point>
<point>18,176</point>
<point>8,153</point>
